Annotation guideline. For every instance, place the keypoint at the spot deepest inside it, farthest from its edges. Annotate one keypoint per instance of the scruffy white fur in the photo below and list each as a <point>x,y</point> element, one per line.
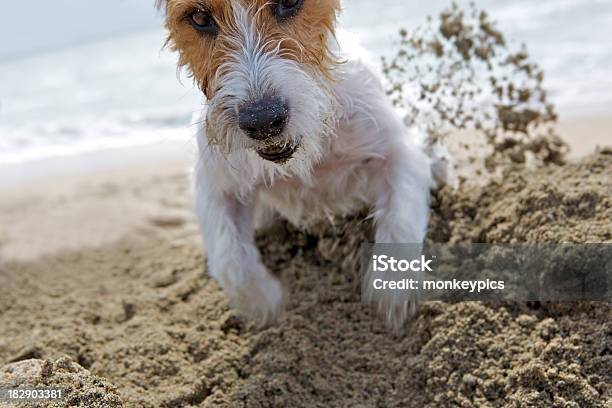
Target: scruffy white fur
<point>354,151</point>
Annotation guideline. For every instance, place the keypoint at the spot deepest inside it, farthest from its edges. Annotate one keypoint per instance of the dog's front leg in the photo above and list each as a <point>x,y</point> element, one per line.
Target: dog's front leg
<point>233,260</point>
<point>402,188</point>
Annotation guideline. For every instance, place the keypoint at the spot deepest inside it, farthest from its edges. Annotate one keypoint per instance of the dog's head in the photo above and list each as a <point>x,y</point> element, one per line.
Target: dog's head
<point>265,67</point>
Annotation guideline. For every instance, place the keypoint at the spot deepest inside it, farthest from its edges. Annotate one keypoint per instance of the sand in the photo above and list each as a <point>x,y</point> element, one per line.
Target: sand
<point>82,388</point>
<point>134,308</point>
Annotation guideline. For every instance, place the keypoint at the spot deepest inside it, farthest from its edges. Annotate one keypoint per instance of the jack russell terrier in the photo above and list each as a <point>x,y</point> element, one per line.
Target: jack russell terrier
<point>293,123</point>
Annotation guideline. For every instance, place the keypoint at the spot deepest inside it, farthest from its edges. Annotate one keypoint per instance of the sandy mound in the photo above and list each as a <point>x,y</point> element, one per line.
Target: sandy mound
<point>572,203</point>
<point>143,314</point>
<point>81,387</point>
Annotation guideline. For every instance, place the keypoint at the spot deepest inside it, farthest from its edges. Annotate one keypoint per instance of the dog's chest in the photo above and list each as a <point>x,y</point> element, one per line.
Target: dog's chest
<point>341,183</point>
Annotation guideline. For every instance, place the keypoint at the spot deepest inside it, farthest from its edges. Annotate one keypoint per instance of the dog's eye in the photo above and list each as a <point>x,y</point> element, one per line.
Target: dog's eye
<point>203,22</point>
<point>287,8</point>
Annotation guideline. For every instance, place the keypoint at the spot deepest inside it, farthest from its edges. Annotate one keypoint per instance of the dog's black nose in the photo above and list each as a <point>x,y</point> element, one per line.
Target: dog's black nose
<point>264,118</point>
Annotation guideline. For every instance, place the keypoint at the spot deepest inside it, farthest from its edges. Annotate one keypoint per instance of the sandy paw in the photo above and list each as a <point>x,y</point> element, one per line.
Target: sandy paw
<point>259,298</point>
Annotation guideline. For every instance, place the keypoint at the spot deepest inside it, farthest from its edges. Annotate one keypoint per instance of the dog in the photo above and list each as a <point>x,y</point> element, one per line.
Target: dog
<point>294,123</point>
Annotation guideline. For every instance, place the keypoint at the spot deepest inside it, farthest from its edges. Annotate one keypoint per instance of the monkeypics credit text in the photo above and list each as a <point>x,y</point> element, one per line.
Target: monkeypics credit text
<point>421,266</point>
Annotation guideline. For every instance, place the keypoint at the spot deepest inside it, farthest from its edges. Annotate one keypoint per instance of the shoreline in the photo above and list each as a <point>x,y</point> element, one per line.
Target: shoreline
<point>583,134</point>
<point>14,176</point>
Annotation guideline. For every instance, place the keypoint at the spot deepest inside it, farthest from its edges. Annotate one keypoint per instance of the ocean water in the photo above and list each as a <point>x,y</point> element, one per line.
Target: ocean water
<point>124,91</point>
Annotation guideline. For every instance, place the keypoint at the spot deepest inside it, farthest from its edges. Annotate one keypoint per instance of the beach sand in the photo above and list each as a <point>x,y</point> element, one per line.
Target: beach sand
<point>106,269</point>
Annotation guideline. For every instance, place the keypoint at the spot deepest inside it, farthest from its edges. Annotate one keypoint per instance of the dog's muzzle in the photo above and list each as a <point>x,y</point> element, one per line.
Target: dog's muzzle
<point>265,120</point>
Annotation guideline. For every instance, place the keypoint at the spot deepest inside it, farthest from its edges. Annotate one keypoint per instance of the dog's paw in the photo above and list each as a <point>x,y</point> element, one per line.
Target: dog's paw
<point>394,310</point>
<point>396,314</point>
<point>259,297</point>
